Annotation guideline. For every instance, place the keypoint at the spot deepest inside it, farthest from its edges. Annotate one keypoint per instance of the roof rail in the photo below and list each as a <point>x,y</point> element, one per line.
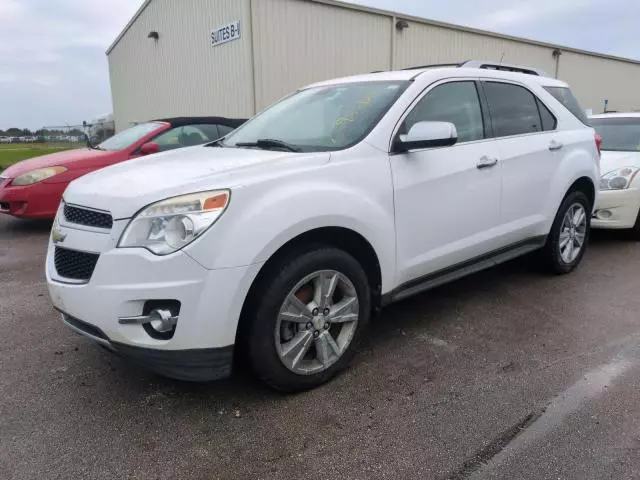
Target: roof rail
<point>435,65</point>
<point>505,67</point>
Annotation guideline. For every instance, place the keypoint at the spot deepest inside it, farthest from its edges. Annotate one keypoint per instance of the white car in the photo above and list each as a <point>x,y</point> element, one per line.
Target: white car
<point>618,204</point>
<point>279,241</point>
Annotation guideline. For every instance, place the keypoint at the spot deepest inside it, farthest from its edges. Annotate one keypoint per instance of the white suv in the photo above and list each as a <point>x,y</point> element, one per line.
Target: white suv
<point>280,240</point>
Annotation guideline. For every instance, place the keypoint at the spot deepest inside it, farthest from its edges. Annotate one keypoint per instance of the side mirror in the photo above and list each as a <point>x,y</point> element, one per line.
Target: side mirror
<point>427,135</point>
<point>149,148</point>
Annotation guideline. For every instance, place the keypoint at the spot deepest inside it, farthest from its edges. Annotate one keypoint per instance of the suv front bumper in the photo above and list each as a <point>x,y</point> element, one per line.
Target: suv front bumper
<point>125,279</point>
<point>198,364</point>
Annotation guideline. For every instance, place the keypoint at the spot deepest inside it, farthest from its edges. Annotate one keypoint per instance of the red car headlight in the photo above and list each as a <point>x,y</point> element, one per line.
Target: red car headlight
<point>37,175</point>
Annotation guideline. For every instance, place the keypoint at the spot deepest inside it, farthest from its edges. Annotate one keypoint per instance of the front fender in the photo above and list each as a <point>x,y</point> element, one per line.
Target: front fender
<point>263,218</point>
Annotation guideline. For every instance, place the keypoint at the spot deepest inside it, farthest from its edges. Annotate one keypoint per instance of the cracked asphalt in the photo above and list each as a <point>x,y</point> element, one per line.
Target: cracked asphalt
<point>507,374</point>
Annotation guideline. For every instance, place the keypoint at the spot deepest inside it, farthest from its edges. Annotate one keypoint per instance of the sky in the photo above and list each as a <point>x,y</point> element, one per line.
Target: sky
<point>53,67</point>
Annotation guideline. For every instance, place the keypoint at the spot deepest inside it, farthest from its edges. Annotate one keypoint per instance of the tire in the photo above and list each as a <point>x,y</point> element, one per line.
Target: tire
<point>553,255</point>
<point>269,333</point>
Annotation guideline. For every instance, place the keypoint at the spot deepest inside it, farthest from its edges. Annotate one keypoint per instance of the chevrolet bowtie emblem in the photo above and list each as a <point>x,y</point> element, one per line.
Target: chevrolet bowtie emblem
<point>57,236</point>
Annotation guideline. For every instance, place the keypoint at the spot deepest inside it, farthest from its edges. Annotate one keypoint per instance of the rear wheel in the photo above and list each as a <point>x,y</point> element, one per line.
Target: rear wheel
<point>307,319</point>
<point>567,240</point>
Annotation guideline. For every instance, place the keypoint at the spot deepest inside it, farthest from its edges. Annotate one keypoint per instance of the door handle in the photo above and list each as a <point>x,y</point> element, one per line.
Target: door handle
<point>555,145</point>
<point>486,162</point>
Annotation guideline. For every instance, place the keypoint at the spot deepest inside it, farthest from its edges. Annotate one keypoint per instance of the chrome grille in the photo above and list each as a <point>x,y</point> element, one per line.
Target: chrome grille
<point>74,264</point>
<point>89,218</point>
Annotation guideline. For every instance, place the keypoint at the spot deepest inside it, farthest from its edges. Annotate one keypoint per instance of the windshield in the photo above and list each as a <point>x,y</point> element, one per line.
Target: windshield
<point>332,117</point>
<point>129,136</point>
<point>618,134</point>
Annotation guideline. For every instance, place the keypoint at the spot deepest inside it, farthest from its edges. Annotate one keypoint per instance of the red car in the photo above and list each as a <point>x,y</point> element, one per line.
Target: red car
<point>33,188</point>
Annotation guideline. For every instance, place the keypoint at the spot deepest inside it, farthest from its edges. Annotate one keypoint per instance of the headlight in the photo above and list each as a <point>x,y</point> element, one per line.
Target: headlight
<point>37,175</point>
<point>167,226</point>
<point>618,179</point>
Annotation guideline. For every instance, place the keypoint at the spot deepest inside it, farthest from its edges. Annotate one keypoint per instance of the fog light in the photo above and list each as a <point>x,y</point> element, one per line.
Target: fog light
<point>604,214</point>
<point>160,323</point>
<point>159,318</point>
<point>162,320</point>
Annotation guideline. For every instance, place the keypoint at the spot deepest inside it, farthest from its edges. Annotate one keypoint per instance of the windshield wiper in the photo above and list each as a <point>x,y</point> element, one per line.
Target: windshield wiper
<point>267,143</point>
<point>216,143</point>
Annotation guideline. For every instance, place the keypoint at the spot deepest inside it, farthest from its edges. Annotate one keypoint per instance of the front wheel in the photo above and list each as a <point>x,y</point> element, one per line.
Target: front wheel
<point>567,240</point>
<point>308,319</point>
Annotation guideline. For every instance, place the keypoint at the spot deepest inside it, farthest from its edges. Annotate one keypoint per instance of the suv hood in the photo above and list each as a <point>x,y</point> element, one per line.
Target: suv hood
<point>125,188</point>
<point>610,160</point>
<point>66,158</point>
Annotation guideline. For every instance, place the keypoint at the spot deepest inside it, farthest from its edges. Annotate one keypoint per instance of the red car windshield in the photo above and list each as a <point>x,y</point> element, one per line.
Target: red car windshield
<point>128,137</point>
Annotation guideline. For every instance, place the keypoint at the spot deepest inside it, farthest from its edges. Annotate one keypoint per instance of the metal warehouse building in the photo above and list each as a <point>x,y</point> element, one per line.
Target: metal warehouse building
<point>235,57</point>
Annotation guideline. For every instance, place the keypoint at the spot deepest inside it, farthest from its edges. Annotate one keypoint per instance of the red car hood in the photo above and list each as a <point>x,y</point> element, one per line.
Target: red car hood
<point>72,159</point>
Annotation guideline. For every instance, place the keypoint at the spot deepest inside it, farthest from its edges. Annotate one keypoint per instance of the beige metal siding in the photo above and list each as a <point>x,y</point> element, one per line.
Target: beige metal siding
<point>297,42</point>
<point>422,44</point>
<point>181,73</point>
<point>594,79</point>
<point>300,42</point>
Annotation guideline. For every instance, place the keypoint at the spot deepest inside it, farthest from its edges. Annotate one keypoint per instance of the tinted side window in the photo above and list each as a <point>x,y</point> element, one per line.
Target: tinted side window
<point>455,102</point>
<point>187,136</point>
<point>549,122</point>
<point>223,129</point>
<point>513,109</point>
<point>566,98</point>
<point>211,131</point>
<point>169,139</point>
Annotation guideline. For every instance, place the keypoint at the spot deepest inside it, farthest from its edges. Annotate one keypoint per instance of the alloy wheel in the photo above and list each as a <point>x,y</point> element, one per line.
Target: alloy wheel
<point>572,233</point>
<point>317,322</point>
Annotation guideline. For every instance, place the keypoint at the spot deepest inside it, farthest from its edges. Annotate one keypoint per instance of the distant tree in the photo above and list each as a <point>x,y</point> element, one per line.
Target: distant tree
<point>14,132</point>
<point>76,131</point>
<point>26,132</point>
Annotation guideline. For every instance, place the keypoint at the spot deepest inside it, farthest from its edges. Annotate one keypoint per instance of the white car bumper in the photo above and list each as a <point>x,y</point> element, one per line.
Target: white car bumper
<point>616,209</point>
<point>124,280</point>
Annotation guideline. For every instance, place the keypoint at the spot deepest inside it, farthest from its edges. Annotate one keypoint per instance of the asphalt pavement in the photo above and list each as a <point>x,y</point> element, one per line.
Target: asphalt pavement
<point>507,374</point>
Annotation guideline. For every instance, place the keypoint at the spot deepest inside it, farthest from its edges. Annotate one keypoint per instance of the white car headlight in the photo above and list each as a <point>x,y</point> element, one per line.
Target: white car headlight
<point>618,179</point>
<point>169,225</point>
<point>37,175</point>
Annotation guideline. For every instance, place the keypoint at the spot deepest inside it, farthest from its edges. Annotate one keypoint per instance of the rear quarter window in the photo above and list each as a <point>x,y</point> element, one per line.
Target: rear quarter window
<point>566,98</point>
